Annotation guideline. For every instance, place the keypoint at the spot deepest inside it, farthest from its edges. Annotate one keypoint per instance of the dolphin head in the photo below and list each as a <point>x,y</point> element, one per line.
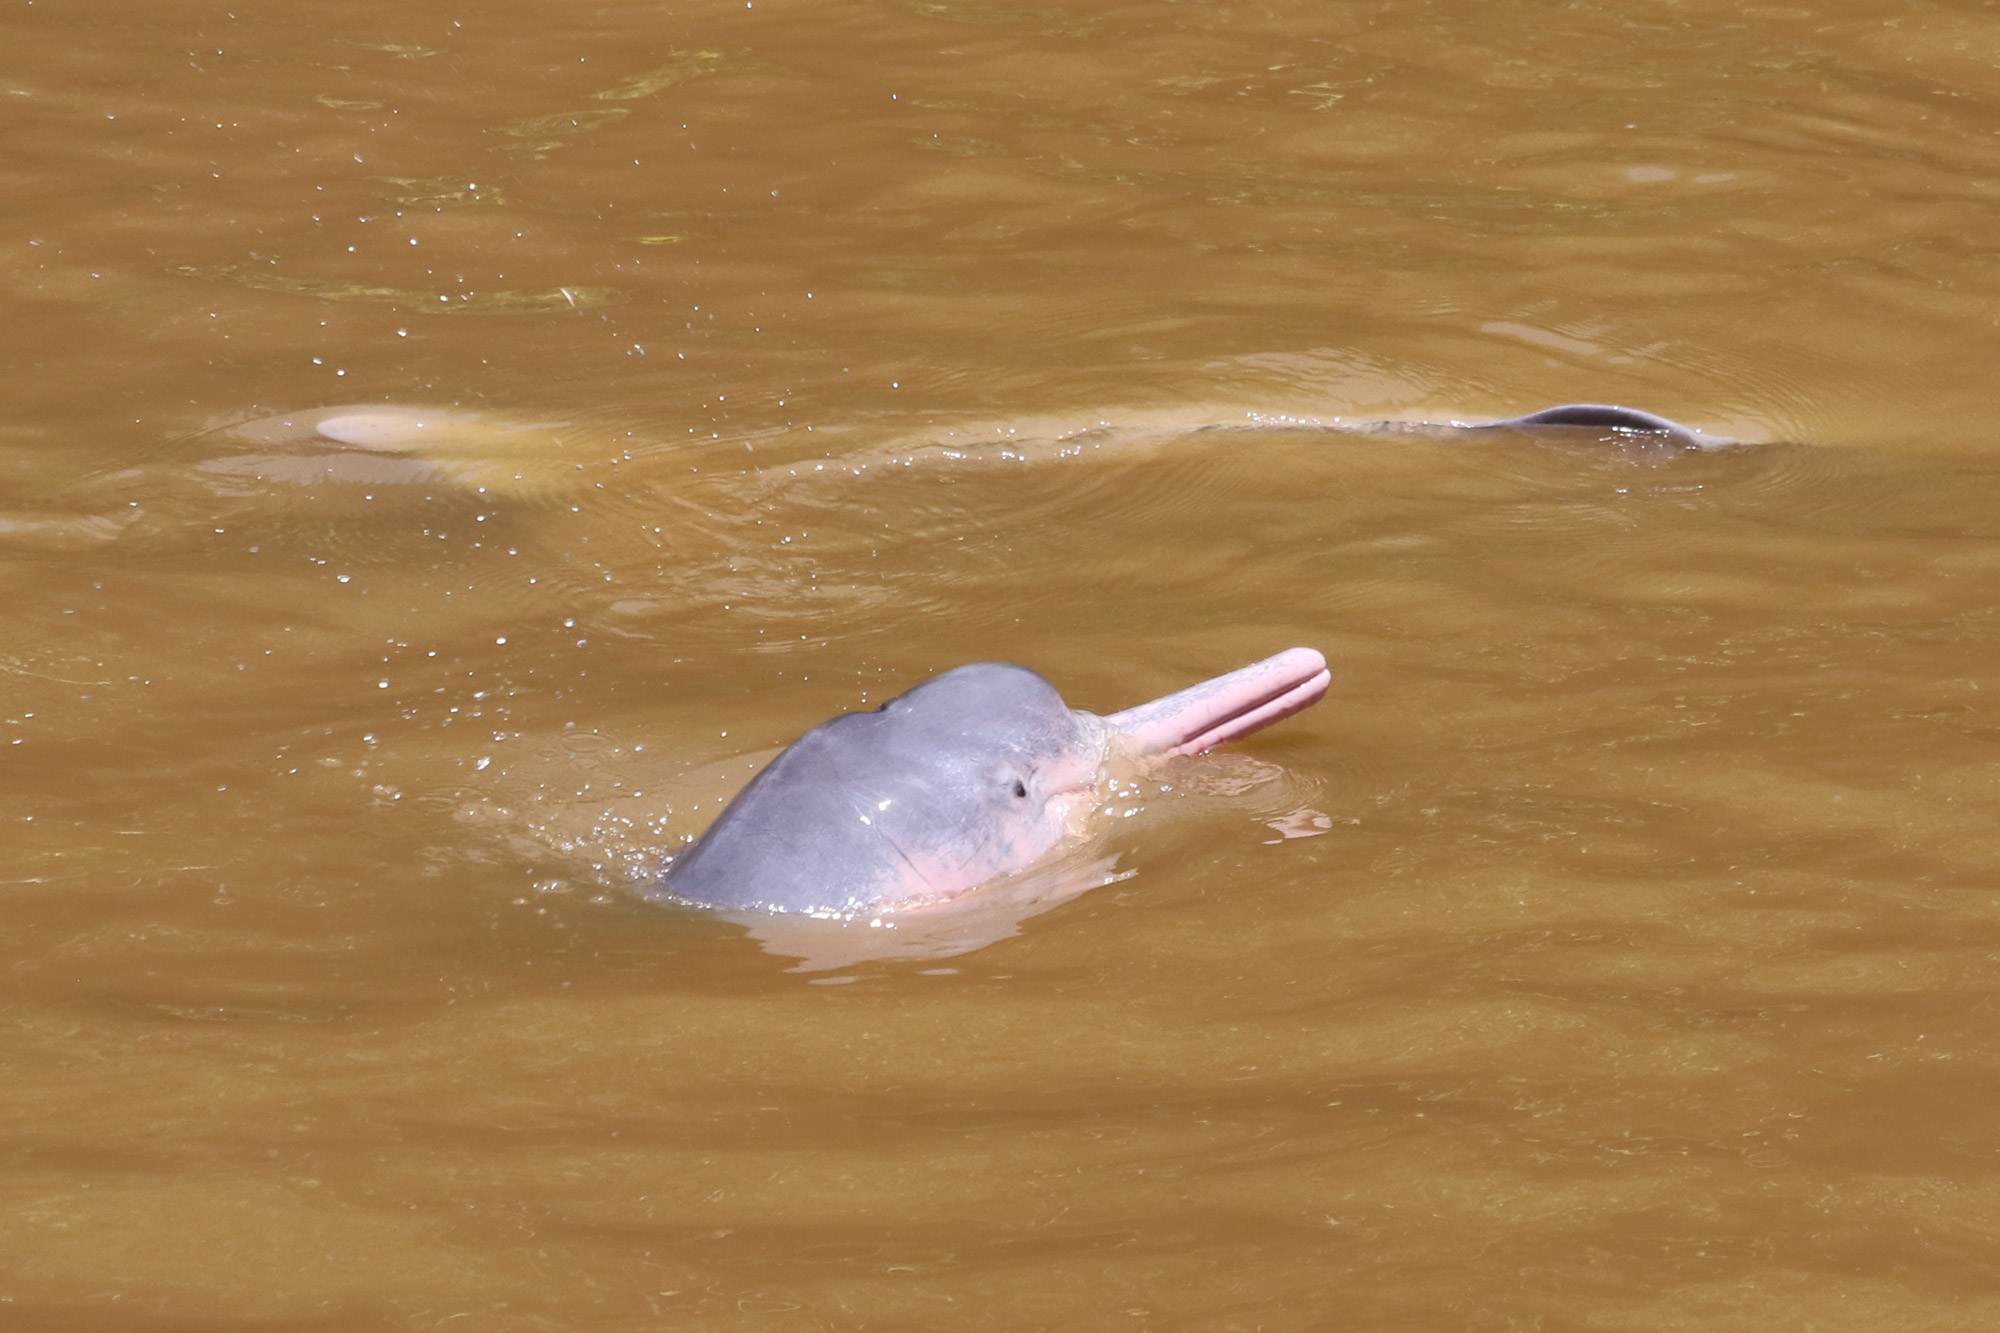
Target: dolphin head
<point>970,774</point>
<point>973,774</point>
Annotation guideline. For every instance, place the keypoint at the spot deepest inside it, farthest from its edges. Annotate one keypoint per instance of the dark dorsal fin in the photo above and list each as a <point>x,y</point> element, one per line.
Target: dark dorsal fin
<point>1609,416</point>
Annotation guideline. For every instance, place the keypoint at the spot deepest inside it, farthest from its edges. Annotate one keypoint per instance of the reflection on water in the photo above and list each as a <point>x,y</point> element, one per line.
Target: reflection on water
<point>1634,972</point>
<point>944,930</point>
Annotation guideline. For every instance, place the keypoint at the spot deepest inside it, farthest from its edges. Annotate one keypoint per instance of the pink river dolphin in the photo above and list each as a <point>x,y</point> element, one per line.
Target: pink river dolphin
<point>970,776</point>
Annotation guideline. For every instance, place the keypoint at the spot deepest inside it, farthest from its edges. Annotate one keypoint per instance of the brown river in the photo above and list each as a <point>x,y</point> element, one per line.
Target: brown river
<point>1616,948</point>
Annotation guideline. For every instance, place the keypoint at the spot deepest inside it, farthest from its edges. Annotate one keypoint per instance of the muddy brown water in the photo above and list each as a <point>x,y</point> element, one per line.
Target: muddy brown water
<point>1616,948</point>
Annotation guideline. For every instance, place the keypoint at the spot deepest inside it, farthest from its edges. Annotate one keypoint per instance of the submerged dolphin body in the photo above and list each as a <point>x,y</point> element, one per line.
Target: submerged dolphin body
<point>974,774</point>
<point>385,444</point>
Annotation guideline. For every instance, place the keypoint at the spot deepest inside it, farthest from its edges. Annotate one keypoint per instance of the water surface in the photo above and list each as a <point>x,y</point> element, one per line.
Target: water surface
<point>1633,970</point>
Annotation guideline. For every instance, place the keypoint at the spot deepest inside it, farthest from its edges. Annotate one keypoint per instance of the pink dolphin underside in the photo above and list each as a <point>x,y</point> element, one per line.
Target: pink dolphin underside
<point>973,775</point>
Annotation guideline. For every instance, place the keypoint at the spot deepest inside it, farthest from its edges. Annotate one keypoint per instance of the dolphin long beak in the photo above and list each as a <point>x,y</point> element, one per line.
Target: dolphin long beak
<point>1205,715</point>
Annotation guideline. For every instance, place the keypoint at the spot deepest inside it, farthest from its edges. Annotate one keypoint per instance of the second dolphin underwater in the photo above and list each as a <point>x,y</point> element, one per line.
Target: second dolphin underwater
<point>395,430</point>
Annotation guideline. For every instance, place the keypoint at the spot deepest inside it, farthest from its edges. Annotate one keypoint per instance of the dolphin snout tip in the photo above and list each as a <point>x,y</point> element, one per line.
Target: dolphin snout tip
<point>1299,660</point>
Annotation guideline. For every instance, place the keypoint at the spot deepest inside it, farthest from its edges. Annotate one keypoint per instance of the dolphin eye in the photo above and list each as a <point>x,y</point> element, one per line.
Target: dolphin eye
<point>1020,789</point>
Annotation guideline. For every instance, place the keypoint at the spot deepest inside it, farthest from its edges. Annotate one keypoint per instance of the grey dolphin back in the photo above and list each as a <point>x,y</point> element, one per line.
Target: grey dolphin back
<point>872,807</point>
